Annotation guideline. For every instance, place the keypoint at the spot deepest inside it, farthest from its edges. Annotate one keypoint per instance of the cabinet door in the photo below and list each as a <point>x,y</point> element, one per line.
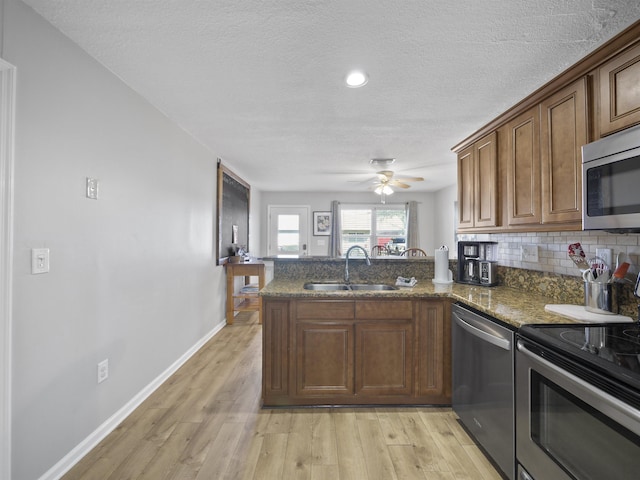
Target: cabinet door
<point>384,358</point>
<point>620,92</point>
<point>465,188</point>
<point>523,196</point>
<point>434,351</point>
<point>275,359</point>
<point>324,358</point>
<point>563,131</point>
<point>477,184</point>
<point>486,186</point>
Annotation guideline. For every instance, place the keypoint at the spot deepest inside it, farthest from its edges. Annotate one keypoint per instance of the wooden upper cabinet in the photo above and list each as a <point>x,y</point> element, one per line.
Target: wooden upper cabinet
<point>465,188</point>
<point>486,187</point>
<point>620,91</point>
<point>539,158</point>
<point>477,184</point>
<point>563,132</point>
<point>523,169</point>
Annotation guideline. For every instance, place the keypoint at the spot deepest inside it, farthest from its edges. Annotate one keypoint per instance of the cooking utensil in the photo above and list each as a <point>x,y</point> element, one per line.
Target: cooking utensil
<point>577,255</point>
<point>597,271</point>
<point>621,271</point>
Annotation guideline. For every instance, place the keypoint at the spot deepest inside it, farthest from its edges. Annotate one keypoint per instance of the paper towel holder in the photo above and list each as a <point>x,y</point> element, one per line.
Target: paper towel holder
<point>449,273</point>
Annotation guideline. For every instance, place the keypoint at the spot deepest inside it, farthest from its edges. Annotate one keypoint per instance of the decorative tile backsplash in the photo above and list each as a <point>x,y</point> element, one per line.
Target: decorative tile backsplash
<point>555,275</point>
<point>552,249</point>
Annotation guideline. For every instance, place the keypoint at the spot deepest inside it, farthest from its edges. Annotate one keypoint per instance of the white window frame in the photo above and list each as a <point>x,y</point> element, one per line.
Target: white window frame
<point>373,237</point>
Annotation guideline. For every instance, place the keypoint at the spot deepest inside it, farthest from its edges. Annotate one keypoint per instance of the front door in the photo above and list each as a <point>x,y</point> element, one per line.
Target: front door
<point>288,230</point>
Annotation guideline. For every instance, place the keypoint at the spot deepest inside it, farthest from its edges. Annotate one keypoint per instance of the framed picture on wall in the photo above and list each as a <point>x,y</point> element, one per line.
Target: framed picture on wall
<point>322,223</point>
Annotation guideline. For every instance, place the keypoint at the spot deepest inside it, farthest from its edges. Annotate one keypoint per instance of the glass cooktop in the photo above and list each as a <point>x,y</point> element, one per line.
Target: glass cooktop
<point>612,348</point>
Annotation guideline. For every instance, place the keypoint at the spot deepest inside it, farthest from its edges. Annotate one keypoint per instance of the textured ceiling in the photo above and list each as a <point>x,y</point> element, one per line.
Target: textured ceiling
<point>261,83</point>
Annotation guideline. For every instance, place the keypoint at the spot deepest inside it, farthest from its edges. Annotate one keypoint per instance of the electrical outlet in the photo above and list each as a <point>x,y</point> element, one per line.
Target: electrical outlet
<point>92,188</point>
<point>606,255</point>
<point>529,253</point>
<point>103,370</point>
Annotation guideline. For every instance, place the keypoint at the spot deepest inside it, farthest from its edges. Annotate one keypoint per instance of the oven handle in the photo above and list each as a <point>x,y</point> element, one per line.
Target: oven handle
<point>618,410</point>
<point>500,342</point>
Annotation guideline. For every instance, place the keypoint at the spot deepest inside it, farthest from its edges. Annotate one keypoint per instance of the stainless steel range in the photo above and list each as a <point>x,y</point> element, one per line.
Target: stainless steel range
<point>578,402</point>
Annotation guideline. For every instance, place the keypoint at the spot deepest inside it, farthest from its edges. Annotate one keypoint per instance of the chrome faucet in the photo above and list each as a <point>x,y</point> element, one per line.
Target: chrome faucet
<point>346,264</point>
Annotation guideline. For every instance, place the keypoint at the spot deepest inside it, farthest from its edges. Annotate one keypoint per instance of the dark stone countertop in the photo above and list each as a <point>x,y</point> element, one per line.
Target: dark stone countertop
<point>512,306</point>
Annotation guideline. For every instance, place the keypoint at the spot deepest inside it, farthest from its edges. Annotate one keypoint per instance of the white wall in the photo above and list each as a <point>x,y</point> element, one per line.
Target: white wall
<point>445,219</point>
<point>321,201</point>
<point>133,275</point>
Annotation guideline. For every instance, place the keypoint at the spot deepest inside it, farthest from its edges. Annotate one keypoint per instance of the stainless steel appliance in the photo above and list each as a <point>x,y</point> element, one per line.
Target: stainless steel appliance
<point>610,179</point>
<point>578,402</point>
<point>483,395</point>
<point>476,263</point>
<point>488,272</point>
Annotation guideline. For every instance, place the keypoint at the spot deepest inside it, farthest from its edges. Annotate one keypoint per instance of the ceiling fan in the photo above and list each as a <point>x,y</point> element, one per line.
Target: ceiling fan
<point>386,180</point>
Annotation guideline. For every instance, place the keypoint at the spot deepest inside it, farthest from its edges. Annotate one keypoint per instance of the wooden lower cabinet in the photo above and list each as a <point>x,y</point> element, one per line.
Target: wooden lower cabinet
<point>275,359</point>
<point>323,358</point>
<point>434,350</point>
<point>384,358</point>
<point>356,352</point>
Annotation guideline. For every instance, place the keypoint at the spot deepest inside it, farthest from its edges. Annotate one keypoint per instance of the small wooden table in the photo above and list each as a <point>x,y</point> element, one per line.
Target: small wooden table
<point>244,300</point>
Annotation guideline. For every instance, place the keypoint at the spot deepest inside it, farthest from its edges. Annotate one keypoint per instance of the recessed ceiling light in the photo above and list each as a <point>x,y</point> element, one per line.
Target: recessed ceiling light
<point>356,79</point>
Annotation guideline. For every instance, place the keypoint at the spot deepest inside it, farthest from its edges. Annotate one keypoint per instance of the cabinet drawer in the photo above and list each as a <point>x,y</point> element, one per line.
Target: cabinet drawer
<point>321,309</point>
<point>384,309</point>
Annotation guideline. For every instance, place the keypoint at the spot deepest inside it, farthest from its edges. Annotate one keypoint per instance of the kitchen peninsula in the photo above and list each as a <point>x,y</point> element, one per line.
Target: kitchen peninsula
<point>364,347</point>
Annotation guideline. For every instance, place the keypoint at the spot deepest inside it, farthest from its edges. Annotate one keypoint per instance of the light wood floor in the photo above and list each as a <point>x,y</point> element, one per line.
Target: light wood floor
<point>205,423</point>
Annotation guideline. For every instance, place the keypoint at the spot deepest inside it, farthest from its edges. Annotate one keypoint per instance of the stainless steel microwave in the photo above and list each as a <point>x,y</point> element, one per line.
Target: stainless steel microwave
<point>611,183</point>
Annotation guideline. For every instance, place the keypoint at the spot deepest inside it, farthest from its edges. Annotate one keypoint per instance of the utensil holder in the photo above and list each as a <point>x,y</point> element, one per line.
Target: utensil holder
<point>601,297</point>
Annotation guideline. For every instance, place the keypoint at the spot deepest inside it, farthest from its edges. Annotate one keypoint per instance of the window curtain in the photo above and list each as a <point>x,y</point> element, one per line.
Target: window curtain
<point>413,240</point>
<point>336,228</point>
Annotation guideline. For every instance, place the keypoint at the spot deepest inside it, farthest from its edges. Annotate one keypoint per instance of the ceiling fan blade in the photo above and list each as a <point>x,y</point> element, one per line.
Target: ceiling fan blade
<point>362,182</point>
<point>396,183</point>
<point>385,175</point>
<point>409,179</point>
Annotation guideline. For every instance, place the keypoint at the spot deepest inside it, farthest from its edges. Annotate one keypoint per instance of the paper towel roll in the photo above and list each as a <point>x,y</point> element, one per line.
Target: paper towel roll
<point>441,269</point>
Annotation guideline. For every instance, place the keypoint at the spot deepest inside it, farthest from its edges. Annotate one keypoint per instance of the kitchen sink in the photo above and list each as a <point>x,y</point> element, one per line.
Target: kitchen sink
<point>327,287</point>
<point>372,286</point>
<point>332,287</point>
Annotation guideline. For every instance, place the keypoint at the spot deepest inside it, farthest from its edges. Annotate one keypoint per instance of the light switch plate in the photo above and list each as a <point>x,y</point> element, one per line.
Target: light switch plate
<point>39,260</point>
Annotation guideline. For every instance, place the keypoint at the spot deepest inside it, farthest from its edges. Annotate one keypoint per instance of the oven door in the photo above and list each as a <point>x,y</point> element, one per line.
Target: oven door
<point>568,429</point>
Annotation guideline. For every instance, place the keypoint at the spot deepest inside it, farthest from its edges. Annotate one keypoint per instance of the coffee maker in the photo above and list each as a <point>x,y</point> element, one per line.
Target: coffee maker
<point>477,263</point>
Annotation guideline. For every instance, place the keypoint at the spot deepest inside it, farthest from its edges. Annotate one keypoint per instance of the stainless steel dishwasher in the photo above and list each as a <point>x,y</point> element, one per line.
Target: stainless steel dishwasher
<point>483,383</point>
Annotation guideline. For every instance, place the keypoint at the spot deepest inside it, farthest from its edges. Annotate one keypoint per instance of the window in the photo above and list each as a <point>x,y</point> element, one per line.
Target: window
<point>369,225</point>
<point>288,233</point>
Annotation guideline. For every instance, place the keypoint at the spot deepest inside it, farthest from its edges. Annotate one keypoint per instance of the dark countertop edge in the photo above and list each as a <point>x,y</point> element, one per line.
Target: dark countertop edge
<point>506,304</point>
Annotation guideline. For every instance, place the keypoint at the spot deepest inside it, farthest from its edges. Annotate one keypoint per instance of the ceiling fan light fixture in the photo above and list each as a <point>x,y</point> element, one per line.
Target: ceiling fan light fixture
<point>357,79</point>
<point>383,190</point>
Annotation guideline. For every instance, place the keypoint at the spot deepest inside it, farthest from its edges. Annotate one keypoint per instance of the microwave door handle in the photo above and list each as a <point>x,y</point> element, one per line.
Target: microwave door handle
<point>500,342</point>
<point>619,411</point>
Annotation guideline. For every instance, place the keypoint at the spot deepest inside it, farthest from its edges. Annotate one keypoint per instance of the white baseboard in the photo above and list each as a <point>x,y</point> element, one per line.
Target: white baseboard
<point>84,447</point>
